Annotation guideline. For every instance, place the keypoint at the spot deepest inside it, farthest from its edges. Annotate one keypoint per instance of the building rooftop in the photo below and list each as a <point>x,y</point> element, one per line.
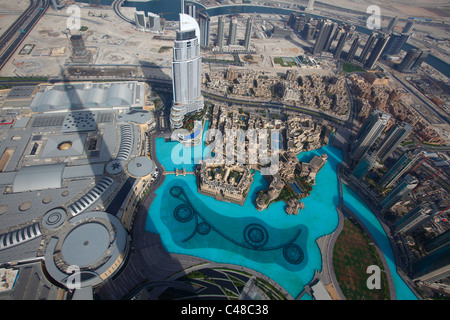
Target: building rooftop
<point>39,177</point>
<point>54,180</point>
<point>86,95</point>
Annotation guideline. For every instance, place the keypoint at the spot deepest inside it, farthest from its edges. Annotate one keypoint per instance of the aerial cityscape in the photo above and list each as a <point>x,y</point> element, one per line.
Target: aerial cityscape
<point>224,150</point>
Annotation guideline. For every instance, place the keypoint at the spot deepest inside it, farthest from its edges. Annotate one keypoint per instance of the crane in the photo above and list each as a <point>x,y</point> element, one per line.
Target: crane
<point>431,176</point>
<point>418,164</point>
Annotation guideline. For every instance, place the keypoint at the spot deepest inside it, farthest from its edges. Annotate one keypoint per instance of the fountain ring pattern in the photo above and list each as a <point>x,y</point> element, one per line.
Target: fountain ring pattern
<point>255,235</point>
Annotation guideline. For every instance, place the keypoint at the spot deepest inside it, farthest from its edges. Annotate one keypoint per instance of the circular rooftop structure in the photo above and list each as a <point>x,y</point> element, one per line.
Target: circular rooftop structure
<point>85,244</point>
<point>54,218</point>
<point>141,166</point>
<point>95,242</point>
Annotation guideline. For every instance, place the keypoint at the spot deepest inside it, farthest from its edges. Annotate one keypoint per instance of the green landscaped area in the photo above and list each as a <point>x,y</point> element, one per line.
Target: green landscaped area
<point>285,62</point>
<point>348,67</point>
<point>353,253</point>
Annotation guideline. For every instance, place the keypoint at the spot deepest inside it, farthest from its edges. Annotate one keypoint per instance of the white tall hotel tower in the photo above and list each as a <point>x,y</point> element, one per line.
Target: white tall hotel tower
<point>310,6</point>
<point>186,70</point>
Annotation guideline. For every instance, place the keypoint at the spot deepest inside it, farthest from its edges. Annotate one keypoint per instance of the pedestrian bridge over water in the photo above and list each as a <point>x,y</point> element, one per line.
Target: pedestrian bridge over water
<point>179,172</point>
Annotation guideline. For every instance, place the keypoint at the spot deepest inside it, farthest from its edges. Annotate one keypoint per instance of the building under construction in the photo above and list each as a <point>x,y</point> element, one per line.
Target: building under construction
<point>79,52</point>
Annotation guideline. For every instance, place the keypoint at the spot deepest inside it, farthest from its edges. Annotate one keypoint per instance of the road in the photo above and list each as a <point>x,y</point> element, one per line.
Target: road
<point>18,31</point>
<point>430,107</point>
<point>116,7</point>
<point>272,105</point>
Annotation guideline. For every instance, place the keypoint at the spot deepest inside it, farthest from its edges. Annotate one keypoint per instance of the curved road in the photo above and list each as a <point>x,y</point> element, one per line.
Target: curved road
<point>116,7</point>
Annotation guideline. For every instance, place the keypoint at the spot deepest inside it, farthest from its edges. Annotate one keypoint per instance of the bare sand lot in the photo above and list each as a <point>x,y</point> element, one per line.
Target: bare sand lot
<point>402,8</point>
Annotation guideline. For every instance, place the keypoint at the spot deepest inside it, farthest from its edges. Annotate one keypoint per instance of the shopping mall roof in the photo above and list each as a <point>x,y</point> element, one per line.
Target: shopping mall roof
<point>39,177</point>
<point>87,95</point>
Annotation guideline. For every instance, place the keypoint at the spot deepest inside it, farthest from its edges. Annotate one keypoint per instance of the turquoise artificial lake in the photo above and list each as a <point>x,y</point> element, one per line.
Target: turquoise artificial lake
<point>281,246</point>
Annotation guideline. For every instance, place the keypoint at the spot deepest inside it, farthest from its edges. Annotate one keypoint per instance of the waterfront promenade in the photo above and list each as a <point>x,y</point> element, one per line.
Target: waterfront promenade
<point>148,260</point>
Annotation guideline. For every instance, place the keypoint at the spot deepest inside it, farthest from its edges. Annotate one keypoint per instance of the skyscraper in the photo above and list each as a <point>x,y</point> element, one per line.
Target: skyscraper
<point>154,22</point>
<point>248,33</point>
<point>297,21</point>
<point>392,24</point>
<point>433,267</point>
<point>408,27</point>
<point>395,43</point>
<point>368,47</point>
<point>140,20</point>
<point>220,32</point>
<point>412,61</point>
<point>395,195</point>
<point>204,22</point>
<point>232,32</point>
<point>322,37</point>
<point>369,132</point>
<point>309,31</point>
<point>186,71</point>
<point>331,36</point>
<point>395,137</point>
<point>437,243</point>
<point>351,53</point>
<point>401,166</point>
<point>415,218</point>
<point>377,51</point>
<point>310,6</point>
<point>364,166</point>
<point>340,46</point>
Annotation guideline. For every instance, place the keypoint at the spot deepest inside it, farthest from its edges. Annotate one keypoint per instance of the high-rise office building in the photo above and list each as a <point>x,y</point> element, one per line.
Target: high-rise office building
<point>232,33</point>
<point>437,243</point>
<point>393,140</point>
<point>310,6</point>
<point>340,46</point>
<point>412,61</point>
<point>377,51</point>
<point>322,37</point>
<point>395,43</point>
<point>351,53</point>
<point>140,20</point>
<point>204,21</point>
<point>415,218</point>
<point>220,32</point>
<point>369,132</point>
<point>186,71</point>
<point>407,184</point>
<point>400,167</point>
<point>432,267</point>
<point>297,21</point>
<point>331,36</point>
<point>309,31</point>
<point>368,47</point>
<point>366,164</point>
<point>248,33</point>
<point>392,24</point>
<point>408,27</point>
<point>154,22</point>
